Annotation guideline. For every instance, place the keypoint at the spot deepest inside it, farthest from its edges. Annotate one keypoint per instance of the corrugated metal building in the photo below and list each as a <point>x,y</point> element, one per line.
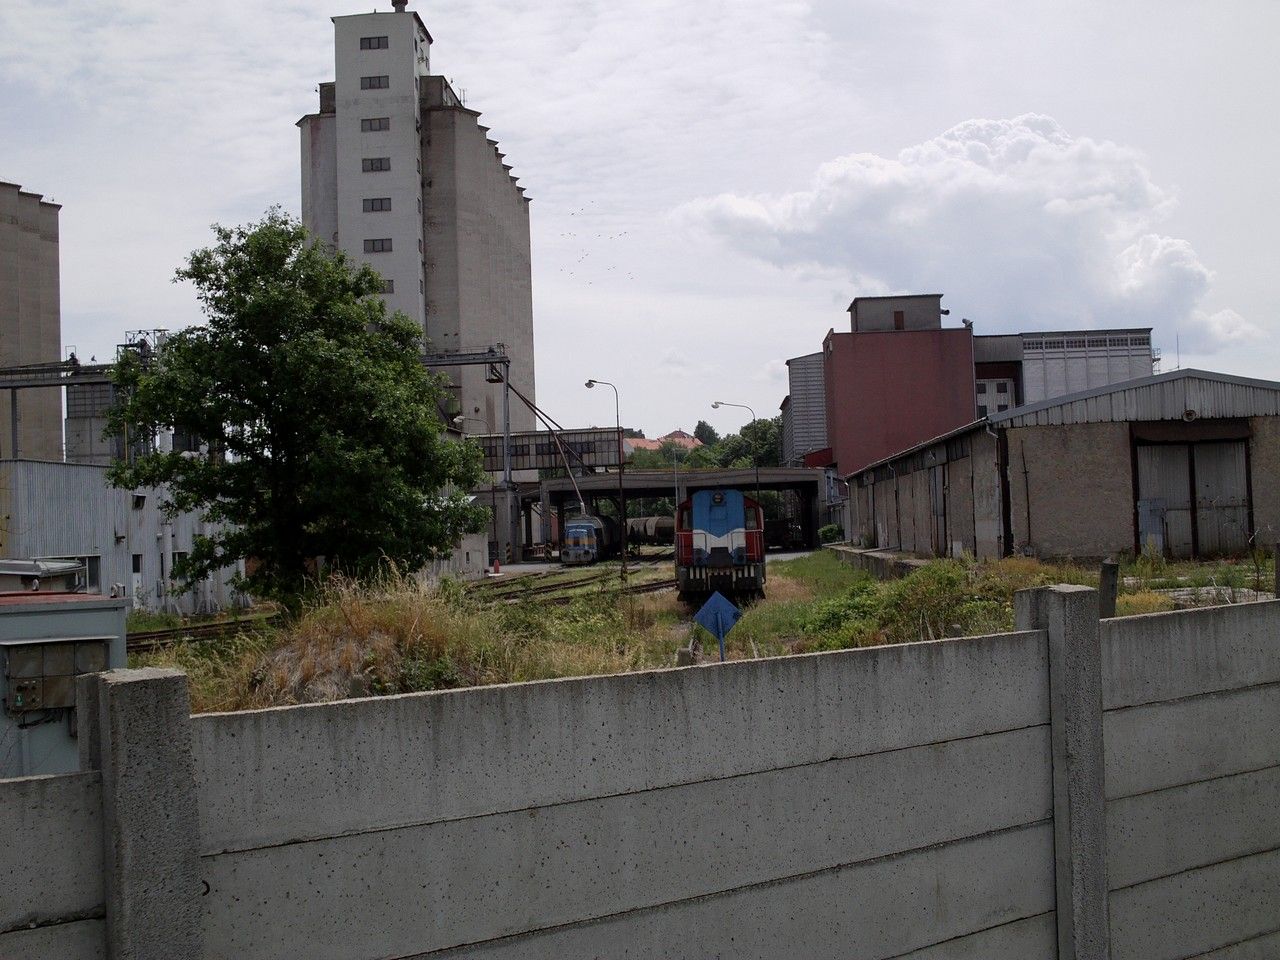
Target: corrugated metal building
<point>53,509</point>
<point>804,411</point>
<point>1182,462</point>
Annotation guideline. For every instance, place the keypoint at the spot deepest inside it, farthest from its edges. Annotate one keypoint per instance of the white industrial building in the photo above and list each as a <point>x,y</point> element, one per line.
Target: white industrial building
<point>1020,368</point>
<point>56,510</point>
<point>399,174</point>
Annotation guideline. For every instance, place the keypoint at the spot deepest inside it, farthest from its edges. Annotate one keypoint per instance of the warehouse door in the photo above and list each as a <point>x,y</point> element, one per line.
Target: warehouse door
<point>1222,497</point>
<point>1164,499</point>
<point>1193,498</point>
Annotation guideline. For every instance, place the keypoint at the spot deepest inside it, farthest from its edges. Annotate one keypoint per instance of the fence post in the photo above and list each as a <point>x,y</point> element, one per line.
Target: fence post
<point>1108,588</point>
<point>135,728</point>
<point>1070,616</point>
<point>1275,557</point>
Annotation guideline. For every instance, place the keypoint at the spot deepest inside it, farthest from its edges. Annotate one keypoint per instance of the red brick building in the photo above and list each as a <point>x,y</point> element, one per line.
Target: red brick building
<point>897,380</point>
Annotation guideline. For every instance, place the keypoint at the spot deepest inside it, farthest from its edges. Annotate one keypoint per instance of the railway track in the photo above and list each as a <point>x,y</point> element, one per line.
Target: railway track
<point>147,641</point>
<point>563,592</point>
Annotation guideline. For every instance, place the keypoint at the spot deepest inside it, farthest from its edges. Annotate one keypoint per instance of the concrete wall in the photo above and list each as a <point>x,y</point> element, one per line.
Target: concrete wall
<point>988,523</point>
<point>1264,463</point>
<point>1192,733</point>
<point>928,800</point>
<point>960,512</point>
<point>920,312</point>
<point>320,176</point>
<point>643,811</point>
<point>1080,481</point>
<point>478,265</point>
<point>30,320</point>
<point>52,901</point>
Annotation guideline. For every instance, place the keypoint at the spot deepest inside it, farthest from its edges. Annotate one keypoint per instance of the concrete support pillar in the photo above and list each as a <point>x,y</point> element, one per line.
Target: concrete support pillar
<point>1070,616</point>
<point>135,728</point>
<point>1108,589</point>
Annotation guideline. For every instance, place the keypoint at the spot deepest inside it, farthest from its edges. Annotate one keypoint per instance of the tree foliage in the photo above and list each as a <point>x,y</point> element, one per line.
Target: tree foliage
<point>322,423</point>
<point>759,443</point>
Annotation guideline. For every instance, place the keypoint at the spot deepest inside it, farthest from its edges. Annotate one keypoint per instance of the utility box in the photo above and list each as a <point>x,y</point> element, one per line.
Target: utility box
<point>46,641</point>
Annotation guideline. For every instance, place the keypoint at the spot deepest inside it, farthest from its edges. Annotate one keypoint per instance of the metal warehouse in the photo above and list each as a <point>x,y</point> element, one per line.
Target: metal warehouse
<point>1183,462</point>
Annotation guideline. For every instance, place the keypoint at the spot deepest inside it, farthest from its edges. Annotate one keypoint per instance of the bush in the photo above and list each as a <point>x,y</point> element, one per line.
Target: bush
<point>831,533</point>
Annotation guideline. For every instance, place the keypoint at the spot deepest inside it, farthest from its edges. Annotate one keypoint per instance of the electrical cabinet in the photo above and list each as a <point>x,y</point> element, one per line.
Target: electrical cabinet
<point>46,641</point>
<point>41,674</point>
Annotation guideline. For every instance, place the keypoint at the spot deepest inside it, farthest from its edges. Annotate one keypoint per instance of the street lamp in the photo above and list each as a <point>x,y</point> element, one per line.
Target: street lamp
<point>622,505</point>
<point>716,405</point>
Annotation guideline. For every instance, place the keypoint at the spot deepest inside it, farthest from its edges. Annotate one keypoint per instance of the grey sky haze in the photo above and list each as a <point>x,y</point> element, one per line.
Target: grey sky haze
<point>712,182</point>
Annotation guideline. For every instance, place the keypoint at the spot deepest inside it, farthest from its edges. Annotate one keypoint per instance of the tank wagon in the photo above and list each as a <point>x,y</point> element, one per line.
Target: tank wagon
<point>719,545</point>
<point>651,530</point>
<point>588,539</point>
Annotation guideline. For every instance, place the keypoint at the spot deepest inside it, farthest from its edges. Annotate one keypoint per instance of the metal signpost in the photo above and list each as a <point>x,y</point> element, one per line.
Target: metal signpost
<point>718,616</point>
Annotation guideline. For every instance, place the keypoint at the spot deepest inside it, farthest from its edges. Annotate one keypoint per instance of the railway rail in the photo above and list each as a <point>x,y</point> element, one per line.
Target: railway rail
<point>147,641</point>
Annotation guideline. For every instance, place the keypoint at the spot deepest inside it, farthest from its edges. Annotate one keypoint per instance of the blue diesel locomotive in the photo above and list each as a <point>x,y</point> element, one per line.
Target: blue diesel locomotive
<point>719,545</point>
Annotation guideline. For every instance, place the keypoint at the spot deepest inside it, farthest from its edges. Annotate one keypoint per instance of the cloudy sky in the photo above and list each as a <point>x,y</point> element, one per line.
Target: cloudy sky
<point>713,182</point>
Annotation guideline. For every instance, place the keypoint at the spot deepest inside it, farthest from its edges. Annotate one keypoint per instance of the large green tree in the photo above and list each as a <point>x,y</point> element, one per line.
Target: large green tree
<point>759,443</point>
<point>321,421</point>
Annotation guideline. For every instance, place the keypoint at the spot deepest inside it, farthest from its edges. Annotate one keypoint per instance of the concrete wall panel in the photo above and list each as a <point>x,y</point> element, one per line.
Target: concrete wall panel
<point>1166,656</point>
<point>960,529</point>
<point>1029,939</point>
<point>1198,911</point>
<point>1169,831</point>
<point>590,859</point>
<point>53,849</point>
<point>76,940</point>
<point>1265,947</point>
<point>287,774</point>
<point>1167,744</point>
<point>1264,464</point>
<point>1069,518</point>
<point>873,911</point>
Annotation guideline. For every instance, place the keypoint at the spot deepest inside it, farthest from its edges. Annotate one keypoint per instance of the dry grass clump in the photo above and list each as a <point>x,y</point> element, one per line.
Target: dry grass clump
<point>396,635</point>
<point>1143,601</point>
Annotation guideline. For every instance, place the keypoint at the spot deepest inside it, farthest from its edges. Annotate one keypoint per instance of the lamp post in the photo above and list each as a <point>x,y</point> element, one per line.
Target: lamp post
<point>716,405</point>
<point>622,504</point>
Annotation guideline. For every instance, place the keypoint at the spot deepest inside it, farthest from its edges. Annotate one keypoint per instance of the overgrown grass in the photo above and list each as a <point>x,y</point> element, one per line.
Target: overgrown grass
<point>396,636</point>
<point>140,620</point>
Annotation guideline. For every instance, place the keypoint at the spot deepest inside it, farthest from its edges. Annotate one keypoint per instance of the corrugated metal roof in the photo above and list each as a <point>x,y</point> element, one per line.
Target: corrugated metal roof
<point>932,441</point>
<point>1165,396</point>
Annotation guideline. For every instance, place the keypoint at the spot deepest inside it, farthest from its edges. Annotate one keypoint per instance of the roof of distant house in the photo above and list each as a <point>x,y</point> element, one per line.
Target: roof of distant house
<point>677,437</point>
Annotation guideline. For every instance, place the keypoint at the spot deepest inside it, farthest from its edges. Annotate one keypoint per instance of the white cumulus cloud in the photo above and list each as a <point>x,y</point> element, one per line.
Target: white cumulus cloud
<point>1020,223</point>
